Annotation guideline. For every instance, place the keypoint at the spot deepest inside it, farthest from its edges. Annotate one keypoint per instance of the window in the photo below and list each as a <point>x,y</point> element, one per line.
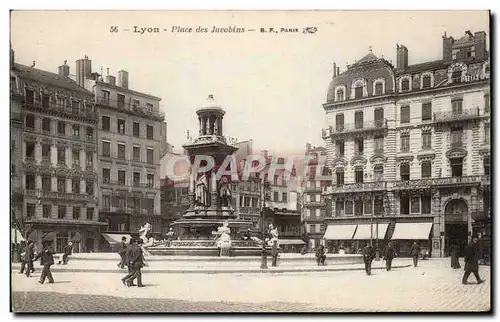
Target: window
<point>255,202</point>
<point>426,140</point>
<point>106,147</point>
<point>368,206</point>
<point>426,204</point>
<point>456,106</point>
<point>105,123</point>
<point>46,211</point>
<point>378,206</point>
<point>75,107</point>
<point>30,96</point>
<point>405,142</point>
<point>358,120</point>
<point>76,130</point>
<point>151,180</point>
<point>46,125</point>
<point>348,207</point>
<point>456,76</point>
<point>121,151</point>
<point>487,133</point>
<point>405,84</point>
<point>405,114</point>
<point>358,173</point>
<point>340,177</point>
<point>312,229</point>
<point>30,150</point>
<point>275,181</point>
<point>378,140</point>
<point>426,169</point>
<point>359,146</point>
<point>30,210</point>
<point>30,121</point>
<point>456,167</point>
<point>106,201</point>
<point>149,133</point>
<point>284,197</point>
<point>312,198</point>
<point>90,159</point>
<point>46,152</point>
<point>61,212</point>
<point>379,88</point>
<point>121,126</point>
<point>135,103</point>
<point>90,134</point>
<point>61,184</point>
<point>76,212</point>
<point>30,181</point>
<point>46,183</point>
<point>378,173</point>
<point>149,107</point>
<point>486,166</point>
<point>136,153</point>
<point>415,205</point>
<point>339,122</point>
<point>105,175</point>
<point>76,157</point>
<point>358,208</point>
<point>358,92</point>
<point>75,185</point>
<point>378,116</point>
<point>61,128</point>
<point>426,111</point>
<point>340,95</point>
<point>404,205</point>
<point>136,129</point>
<point>426,81</point>
<point>149,156</point>
<point>89,187</point>
<point>121,177</point>
<point>61,156</point>
<point>121,100</point>
<point>275,196</point>
<point>404,170</point>
<point>246,201</point>
<point>456,137</point>
<point>339,148</point>
<point>90,213</point>
<point>487,103</point>
<point>137,179</point>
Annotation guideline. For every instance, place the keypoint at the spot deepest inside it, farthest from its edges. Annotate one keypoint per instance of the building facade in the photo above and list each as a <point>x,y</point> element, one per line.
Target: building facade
<point>129,144</point>
<point>409,148</point>
<point>54,157</point>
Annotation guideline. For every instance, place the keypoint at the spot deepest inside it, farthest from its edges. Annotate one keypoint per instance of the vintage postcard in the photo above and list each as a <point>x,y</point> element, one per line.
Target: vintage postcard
<point>250,161</point>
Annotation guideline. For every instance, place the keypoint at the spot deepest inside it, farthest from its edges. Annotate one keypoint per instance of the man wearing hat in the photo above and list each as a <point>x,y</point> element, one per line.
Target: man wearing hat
<point>129,255</point>
<point>122,252</point>
<point>46,260</point>
<point>67,251</point>
<point>471,262</point>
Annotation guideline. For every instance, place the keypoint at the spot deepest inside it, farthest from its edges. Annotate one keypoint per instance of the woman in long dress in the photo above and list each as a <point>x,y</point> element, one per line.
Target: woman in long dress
<point>454,256</point>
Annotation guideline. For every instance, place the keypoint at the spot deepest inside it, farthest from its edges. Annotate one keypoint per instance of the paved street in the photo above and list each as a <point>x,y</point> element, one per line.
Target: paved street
<point>430,287</point>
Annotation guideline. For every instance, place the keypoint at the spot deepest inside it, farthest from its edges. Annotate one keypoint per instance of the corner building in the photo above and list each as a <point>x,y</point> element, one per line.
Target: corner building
<point>409,150</point>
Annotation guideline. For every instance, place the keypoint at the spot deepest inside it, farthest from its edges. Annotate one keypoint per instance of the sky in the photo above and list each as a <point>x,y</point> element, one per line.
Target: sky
<point>272,86</point>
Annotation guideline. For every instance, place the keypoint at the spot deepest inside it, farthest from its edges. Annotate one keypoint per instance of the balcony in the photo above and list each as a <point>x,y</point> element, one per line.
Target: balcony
<point>464,115</point>
<point>354,128</point>
<point>355,187</point>
<point>43,194</point>
<point>313,189</point>
<point>132,108</point>
<point>61,109</point>
<point>315,203</point>
<point>433,182</point>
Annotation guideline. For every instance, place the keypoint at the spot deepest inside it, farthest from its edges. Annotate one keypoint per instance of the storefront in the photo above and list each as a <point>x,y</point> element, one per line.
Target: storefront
<point>406,233</point>
<point>366,233</point>
<point>291,245</point>
<point>339,237</point>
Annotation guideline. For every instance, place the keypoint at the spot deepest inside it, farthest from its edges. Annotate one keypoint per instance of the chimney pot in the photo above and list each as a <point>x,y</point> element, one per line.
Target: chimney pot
<point>123,79</point>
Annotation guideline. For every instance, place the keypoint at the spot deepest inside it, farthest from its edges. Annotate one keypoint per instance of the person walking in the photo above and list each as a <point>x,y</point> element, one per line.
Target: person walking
<point>415,252</point>
<point>320,255</point>
<point>368,255</point>
<point>129,255</point>
<point>137,263</point>
<point>389,255</point>
<point>454,249</point>
<point>275,252</point>
<point>471,262</point>
<point>122,252</point>
<point>68,249</point>
<point>27,259</point>
<point>46,260</point>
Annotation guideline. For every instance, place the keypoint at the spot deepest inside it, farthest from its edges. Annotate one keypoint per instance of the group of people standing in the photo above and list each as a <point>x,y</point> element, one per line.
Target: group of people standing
<point>133,257</point>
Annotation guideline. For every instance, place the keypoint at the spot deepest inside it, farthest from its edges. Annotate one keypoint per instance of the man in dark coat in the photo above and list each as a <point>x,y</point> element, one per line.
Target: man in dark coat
<point>320,255</point>
<point>129,256</point>
<point>471,262</point>
<point>368,255</point>
<point>27,261</point>
<point>275,252</point>
<point>67,250</point>
<point>137,263</point>
<point>415,252</point>
<point>122,252</point>
<point>389,255</point>
<point>46,260</point>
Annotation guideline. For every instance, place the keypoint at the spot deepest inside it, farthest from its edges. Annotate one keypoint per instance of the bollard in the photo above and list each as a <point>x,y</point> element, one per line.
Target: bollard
<point>263,264</point>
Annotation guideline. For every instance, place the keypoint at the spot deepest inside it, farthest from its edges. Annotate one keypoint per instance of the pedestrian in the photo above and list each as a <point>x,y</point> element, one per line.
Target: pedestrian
<point>137,263</point>
<point>471,262</point>
<point>67,250</point>
<point>389,255</point>
<point>122,252</point>
<point>368,255</point>
<point>129,262</point>
<point>415,252</point>
<point>27,259</point>
<point>320,255</point>
<point>275,253</point>
<point>46,260</point>
<point>454,255</point>
<point>263,259</point>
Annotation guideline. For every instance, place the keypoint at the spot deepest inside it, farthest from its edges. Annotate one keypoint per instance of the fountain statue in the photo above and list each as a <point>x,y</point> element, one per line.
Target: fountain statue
<point>225,193</point>
<point>273,232</point>
<point>143,232</point>
<point>201,191</point>
<point>223,237</point>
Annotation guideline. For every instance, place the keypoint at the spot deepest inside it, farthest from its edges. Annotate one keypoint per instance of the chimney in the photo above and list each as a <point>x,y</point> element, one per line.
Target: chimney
<point>123,79</point>
<point>111,80</point>
<point>334,69</point>
<point>83,70</point>
<point>64,69</point>
<point>447,44</point>
<point>480,45</point>
<point>401,57</point>
<point>338,71</point>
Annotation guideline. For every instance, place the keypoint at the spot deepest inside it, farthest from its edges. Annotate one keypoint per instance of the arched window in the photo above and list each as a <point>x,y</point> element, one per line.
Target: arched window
<point>426,81</point>
<point>30,121</point>
<point>340,94</point>
<point>358,91</point>
<point>378,173</point>
<point>405,84</point>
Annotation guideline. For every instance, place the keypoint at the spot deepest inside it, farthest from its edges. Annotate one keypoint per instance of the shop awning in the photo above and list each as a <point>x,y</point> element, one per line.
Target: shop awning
<point>412,231</point>
<point>363,231</point>
<point>339,232</point>
<point>16,236</point>
<point>291,242</point>
<point>115,238</point>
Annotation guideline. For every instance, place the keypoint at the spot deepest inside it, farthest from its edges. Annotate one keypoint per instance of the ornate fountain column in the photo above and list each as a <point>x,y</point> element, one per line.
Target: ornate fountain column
<point>213,190</point>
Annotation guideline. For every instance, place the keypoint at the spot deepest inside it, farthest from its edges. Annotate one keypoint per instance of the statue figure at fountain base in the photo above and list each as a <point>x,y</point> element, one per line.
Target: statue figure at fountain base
<point>223,238</point>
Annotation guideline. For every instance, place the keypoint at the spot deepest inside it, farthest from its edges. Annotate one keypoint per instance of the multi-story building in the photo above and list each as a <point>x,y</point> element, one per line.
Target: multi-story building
<point>130,135</point>
<point>312,204</point>
<point>409,147</point>
<point>54,164</point>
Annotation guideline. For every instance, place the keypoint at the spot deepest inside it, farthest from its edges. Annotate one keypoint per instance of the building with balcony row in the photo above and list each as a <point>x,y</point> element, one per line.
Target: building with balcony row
<point>409,149</point>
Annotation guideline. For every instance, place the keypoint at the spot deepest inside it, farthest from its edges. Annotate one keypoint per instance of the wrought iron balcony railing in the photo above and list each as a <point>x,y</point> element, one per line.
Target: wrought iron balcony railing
<point>426,183</point>
<point>355,187</point>
<point>85,111</point>
<point>354,127</point>
<point>451,116</point>
<point>138,109</point>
